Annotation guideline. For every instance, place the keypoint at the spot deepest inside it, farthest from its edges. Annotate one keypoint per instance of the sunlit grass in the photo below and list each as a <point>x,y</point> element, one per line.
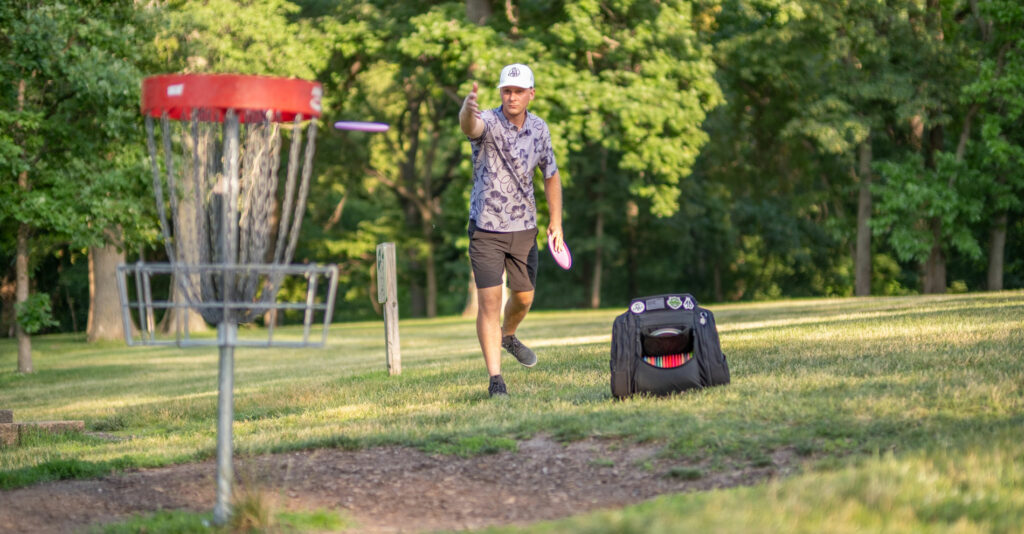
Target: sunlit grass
<point>974,487</point>
<point>854,386</point>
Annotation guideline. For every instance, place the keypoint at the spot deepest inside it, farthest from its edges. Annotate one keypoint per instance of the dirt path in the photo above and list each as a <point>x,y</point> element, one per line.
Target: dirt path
<point>389,489</point>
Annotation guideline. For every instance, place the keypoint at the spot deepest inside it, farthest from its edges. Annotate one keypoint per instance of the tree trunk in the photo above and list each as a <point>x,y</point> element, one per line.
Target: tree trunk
<point>431,282</point>
<point>412,194</point>
<point>595,282</point>
<point>104,321</point>
<point>21,290</point>
<point>862,258</point>
<point>7,321</point>
<point>598,203</point>
<point>935,266</point>
<point>716,276</point>
<point>185,319</point>
<point>996,252</point>
<point>430,266</point>
<point>417,296</point>
<point>189,242</point>
<point>21,266</point>
<point>69,300</point>
<point>632,250</point>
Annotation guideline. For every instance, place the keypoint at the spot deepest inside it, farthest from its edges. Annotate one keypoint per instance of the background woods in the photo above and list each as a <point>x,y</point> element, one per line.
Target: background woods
<point>734,149</point>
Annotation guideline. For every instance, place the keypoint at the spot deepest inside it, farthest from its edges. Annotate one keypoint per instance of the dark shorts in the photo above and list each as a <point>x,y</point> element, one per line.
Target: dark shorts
<point>491,253</point>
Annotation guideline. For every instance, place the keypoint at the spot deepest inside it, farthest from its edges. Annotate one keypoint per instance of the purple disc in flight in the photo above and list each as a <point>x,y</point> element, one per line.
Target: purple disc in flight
<point>359,126</point>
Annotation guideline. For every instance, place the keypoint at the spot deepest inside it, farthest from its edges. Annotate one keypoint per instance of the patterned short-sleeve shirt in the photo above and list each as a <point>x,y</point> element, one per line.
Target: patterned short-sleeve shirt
<point>504,159</point>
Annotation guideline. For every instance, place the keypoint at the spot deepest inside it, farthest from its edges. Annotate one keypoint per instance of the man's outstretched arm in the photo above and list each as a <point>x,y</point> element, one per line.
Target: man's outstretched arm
<point>469,116</point>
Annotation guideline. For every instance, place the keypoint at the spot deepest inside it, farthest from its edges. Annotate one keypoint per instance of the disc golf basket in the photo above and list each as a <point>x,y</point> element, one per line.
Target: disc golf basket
<point>233,225</point>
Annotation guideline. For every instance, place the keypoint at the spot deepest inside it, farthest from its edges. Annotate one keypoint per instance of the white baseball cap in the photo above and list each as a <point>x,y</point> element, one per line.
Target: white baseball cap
<point>516,74</point>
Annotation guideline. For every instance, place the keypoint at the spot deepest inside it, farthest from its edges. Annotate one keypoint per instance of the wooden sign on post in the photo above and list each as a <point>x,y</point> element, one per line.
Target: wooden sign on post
<point>387,294</point>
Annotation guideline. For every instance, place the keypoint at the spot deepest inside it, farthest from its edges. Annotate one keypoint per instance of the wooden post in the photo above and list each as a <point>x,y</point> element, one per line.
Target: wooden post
<point>387,295</point>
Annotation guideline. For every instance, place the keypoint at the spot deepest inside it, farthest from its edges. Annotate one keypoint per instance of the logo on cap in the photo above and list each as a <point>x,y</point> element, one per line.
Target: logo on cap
<point>516,74</point>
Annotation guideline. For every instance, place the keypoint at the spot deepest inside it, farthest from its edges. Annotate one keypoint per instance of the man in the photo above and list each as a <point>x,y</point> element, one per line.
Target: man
<point>509,143</point>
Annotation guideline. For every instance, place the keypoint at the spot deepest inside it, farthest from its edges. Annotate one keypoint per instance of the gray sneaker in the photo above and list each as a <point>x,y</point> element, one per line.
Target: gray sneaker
<point>497,387</point>
<point>520,351</point>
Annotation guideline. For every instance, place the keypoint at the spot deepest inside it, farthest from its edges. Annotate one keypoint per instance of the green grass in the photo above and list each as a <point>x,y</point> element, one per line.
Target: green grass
<point>906,412</point>
<point>179,522</point>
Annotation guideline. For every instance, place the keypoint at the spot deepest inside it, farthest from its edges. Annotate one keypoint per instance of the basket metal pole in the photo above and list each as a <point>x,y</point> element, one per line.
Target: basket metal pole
<point>227,333</point>
<point>227,330</point>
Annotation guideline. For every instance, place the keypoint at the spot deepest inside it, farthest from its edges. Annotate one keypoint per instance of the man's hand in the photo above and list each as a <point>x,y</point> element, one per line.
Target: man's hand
<point>469,105</point>
<point>556,233</point>
<point>469,115</point>
<point>553,192</point>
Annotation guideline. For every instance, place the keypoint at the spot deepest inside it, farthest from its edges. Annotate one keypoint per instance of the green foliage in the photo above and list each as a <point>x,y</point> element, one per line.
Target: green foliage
<point>641,96</point>
<point>914,202</point>
<point>999,73</point>
<point>634,88</point>
<point>34,314</point>
<point>265,37</point>
<point>886,274</point>
<point>71,103</point>
<point>809,83</point>
<point>706,146</point>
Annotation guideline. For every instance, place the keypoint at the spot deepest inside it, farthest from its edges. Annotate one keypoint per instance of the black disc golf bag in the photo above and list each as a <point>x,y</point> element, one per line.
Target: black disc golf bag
<point>666,344</point>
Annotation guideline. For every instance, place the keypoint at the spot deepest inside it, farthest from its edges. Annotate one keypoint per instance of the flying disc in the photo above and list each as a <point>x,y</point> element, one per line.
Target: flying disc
<point>563,258</point>
<point>358,126</point>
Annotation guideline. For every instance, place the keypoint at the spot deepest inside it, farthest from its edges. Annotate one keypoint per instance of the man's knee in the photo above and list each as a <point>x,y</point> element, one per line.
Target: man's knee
<point>522,298</point>
<point>489,300</point>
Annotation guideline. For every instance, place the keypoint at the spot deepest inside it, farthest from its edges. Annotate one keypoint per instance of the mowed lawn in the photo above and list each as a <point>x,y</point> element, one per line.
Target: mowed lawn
<point>905,413</point>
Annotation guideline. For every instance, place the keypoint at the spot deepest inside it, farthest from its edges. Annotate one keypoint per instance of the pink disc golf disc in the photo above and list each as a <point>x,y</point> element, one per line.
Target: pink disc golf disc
<point>359,126</point>
<point>563,258</point>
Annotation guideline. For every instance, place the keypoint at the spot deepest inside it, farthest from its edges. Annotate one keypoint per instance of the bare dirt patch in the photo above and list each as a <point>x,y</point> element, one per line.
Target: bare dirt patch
<point>391,489</point>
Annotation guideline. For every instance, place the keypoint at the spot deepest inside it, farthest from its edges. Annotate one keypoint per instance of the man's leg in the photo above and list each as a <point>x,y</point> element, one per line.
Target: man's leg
<point>521,266</point>
<point>518,305</point>
<point>515,311</point>
<point>488,329</point>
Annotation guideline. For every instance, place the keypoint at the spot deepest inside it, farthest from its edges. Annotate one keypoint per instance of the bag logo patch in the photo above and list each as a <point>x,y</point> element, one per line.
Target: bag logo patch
<point>674,302</point>
<point>688,303</point>
<point>638,307</point>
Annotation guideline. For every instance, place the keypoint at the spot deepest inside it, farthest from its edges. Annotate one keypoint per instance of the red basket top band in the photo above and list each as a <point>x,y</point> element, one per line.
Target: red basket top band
<point>179,94</point>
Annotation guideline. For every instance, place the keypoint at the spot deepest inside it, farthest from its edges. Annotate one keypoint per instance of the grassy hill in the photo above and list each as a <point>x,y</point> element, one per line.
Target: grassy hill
<point>907,413</point>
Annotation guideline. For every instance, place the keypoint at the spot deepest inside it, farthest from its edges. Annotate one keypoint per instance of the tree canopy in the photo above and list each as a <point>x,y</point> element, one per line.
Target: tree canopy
<point>734,149</point>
